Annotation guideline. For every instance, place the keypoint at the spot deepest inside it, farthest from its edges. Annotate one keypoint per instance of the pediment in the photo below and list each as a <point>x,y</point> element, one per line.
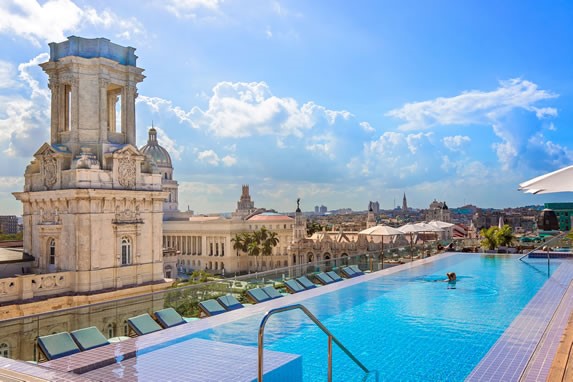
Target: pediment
<point>45,149</point>
<point>128,150</point>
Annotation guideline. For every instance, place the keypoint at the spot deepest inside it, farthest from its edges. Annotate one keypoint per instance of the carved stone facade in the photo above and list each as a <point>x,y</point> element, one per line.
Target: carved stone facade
<point>93,203</point>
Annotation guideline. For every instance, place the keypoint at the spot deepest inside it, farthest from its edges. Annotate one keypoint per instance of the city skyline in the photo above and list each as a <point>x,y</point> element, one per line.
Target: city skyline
<point>332,102</point>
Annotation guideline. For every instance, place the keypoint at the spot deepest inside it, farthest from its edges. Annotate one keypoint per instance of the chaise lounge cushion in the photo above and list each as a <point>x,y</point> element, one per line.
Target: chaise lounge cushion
<point>89,338</point>
<point>57,345</point>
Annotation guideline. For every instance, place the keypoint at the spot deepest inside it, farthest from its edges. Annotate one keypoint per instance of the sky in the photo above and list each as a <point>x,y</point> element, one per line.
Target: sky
<point>336,102</point>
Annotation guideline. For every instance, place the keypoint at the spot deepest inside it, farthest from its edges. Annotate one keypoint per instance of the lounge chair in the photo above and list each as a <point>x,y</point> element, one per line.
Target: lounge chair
<point>211,307</point>
<point>229,302</point>
<point>169,318</point>
<point>356,270</point>
<point>305,282</point>
<point>350,272</point>
<point>57,345</point>
<point>333,275</point>
<point>258,295</point>
<point>143,324</point>
<point>89,338</point>
<point>272,292</point>
<point>293,286</point>
<point>323,278</point>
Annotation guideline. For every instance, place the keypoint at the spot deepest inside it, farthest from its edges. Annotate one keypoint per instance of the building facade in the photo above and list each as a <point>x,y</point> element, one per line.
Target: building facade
<point>564,212</point>
<point>8,224</point>
<point>92,202</point>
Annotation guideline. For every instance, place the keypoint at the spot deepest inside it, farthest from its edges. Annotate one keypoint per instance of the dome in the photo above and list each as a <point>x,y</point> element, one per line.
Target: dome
<point>154,151</point>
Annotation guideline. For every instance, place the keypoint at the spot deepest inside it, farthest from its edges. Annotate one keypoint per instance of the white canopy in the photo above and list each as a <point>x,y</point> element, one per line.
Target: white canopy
<point>419,227</point>
<point>441,224</point>
<point>556,181</point>
<point>381,230</point>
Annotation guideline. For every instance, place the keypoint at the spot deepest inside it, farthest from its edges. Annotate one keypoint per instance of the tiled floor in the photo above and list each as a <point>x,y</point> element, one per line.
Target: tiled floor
<point>507,360</point>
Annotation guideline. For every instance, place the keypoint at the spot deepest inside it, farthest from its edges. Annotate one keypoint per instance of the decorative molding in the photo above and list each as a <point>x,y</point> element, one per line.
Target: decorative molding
<point>127,172</point>
<point>127,216</point>
<point>49,169</point>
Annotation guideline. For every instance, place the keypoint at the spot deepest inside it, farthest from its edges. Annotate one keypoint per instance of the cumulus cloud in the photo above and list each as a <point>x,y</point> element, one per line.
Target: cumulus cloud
<point>456,142</point>
<point>241,109</point>
<point>24,121</point>
<point>506,109</point>
<point>367,127</point>
<point>212,158</point>
<point>54,19</point>
<point>474,107</point>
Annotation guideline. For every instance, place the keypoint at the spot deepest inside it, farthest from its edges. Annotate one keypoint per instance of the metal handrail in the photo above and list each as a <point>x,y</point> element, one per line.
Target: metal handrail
<point>317,322</point>
<point>544,244</point>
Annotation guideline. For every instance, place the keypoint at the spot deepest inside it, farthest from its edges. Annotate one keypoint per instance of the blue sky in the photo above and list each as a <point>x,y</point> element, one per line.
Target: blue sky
<point>335,102</point>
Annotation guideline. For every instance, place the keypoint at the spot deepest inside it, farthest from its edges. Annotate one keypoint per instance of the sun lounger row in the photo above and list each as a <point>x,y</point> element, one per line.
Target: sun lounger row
<point>59,345</point>
<point>221,305</point>
<point>324,278</point>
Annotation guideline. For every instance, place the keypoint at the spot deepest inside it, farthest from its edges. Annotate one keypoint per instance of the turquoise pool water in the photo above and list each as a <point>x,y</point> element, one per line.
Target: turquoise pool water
<point>406,325</point>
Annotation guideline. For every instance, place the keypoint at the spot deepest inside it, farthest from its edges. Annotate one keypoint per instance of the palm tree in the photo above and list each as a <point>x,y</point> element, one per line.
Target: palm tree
<point>253,249</point>
<point>504,236</point>
<point>269,243</point>
<point>489,237</point>
<point>239,242</point>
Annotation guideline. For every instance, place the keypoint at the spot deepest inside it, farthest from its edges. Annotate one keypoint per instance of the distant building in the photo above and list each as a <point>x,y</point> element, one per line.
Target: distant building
<point>8,224</point>
<point>245,206</point>
<point>564,212</point>
<point>438,211</point>
<point>404,204</point>
<point>323,209</point>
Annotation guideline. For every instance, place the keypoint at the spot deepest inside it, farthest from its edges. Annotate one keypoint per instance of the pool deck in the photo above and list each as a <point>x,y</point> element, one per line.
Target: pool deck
<point>542,352</point>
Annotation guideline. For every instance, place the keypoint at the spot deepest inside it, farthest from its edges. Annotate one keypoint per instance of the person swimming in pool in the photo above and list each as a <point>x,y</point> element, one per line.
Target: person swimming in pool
<point>452,279</point>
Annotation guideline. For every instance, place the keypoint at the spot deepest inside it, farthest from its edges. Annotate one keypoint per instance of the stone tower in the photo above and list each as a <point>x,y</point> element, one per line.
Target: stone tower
<point>245,206</point>
<point>299,229</point>
<point>370,219</point>
<point>404,204</point>
<point>93,203</point>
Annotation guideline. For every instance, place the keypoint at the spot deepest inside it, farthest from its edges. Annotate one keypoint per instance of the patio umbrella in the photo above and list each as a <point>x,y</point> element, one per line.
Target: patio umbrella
<point>381,230</point>
<point>556,181</point>
<point>412,228</point>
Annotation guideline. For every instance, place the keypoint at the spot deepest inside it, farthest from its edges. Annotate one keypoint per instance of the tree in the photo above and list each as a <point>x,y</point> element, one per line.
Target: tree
<point>313,227</point>
<point>504,236</point>
<point>257,243</point>
<point>489,237</point>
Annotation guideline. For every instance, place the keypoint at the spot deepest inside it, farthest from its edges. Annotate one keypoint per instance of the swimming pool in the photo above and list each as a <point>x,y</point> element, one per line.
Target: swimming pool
<point>401,322</point>
<point>406,325</point>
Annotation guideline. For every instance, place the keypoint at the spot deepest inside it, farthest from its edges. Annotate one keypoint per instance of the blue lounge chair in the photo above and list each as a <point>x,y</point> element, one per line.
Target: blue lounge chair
<point>293,286</point>
<point>350,272</point>
<point>258,295</point>
<point>356,270</point>
<point>323,278</point>
<point>305,282</point>
<point>211,307</point>
<point>89,338</point>
<point>229,302</point>
<point>169,318</point>
<point>333,275</point>
<point>272,292</point>
<point>57,345</point>
<point>143,324</point>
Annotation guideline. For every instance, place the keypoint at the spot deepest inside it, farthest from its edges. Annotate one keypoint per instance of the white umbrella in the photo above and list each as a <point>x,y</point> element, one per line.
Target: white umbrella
<point>556,181</point>
<point>381,230</point>
<point>417,228</point>
<point>441,224</point>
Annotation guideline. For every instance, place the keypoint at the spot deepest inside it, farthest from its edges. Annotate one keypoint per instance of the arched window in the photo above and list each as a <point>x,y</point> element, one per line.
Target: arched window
<point>52,252</point>
<point>4,350</point>
<point>125,251</point>
<point>125,328</point>
<point>110,329</point>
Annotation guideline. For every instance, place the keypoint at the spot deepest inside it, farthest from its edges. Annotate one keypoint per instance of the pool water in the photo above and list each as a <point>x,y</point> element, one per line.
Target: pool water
<point>410,325</point>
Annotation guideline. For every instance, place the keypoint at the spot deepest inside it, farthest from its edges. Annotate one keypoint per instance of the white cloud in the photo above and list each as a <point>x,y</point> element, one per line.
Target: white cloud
<point>474,107</point>
<point>191,8</point>
<point>55,19</point>
<point>494,108</point>
<point>208,156</point>
<point>24,122</point>
<point>367,127</point>
<point>456,142</point>
<point>229,160</point>
<point>241,109</point>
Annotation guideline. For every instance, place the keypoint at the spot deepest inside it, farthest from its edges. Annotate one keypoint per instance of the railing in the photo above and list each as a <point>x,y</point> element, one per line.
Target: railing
<point>546,244</point>
<point>317,322</point>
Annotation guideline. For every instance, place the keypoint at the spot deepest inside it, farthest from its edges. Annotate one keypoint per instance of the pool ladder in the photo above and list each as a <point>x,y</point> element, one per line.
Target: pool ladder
<point>331,338</point>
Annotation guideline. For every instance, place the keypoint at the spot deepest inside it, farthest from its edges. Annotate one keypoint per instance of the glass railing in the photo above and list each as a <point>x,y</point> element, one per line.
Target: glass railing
<point>18,335</point>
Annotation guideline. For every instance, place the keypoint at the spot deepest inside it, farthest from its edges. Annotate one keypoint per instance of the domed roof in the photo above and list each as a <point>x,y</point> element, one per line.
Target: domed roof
<point>153,150</point>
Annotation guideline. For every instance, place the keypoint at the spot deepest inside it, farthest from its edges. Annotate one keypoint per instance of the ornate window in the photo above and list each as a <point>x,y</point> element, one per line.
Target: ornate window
<point>4,350</point>
<point>125,251</point>
<point>222,249</point>
<point>51,252</point>
<point>110,329</point>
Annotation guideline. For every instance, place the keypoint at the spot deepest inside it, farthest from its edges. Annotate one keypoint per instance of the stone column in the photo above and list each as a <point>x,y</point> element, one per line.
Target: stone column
<point>128,120</point>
